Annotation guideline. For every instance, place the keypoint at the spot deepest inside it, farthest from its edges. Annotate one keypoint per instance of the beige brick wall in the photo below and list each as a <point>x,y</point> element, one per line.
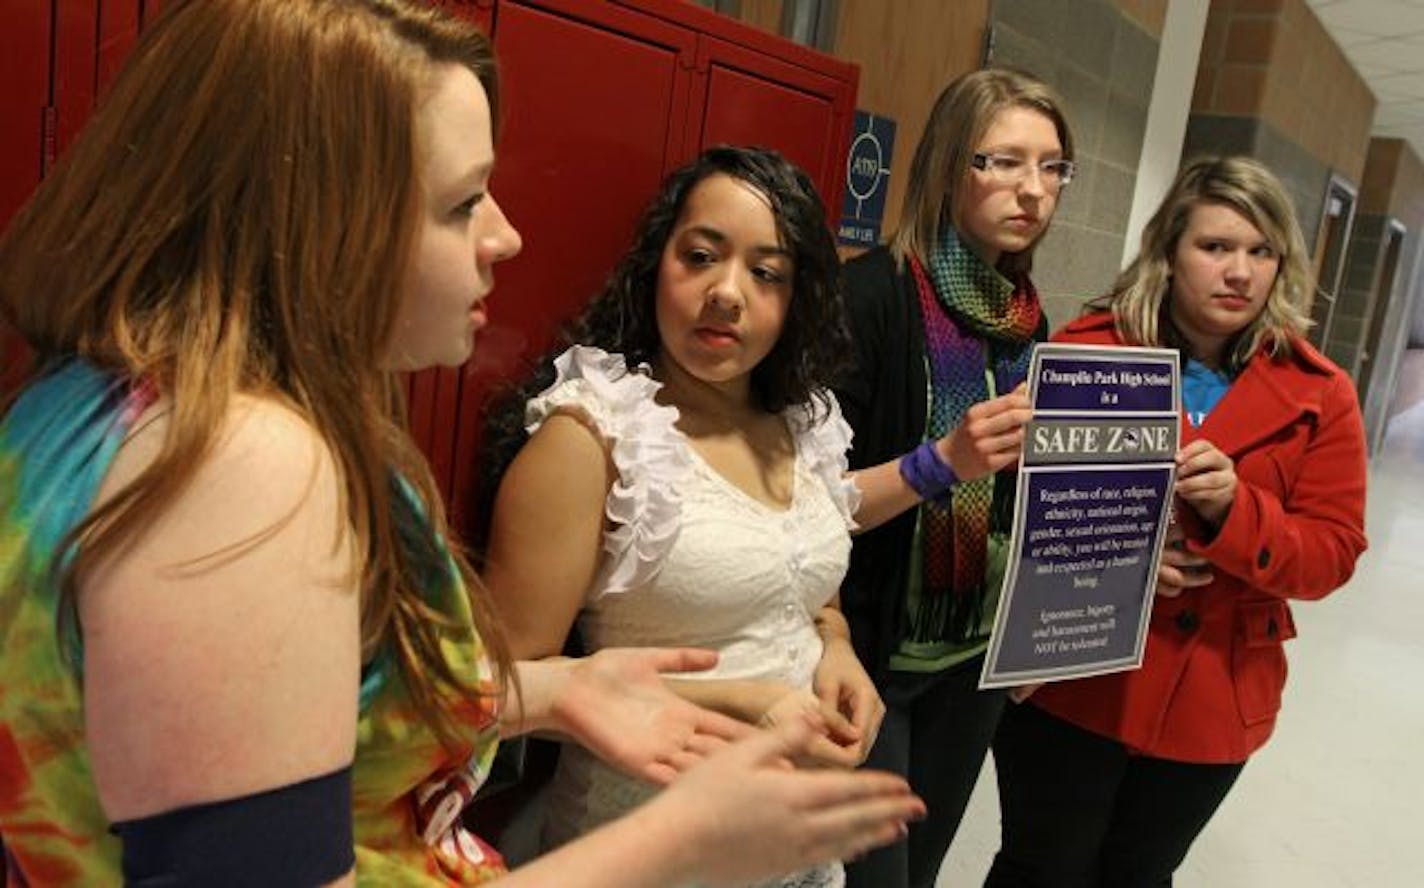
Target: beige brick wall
<point>1273,60</point>
<point>1393,183</point>
<point>1150,14</point>
<point>1406,202</point>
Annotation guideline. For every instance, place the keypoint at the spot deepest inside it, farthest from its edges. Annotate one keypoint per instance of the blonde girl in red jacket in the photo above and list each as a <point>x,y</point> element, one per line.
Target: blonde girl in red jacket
<point>1107,781</point>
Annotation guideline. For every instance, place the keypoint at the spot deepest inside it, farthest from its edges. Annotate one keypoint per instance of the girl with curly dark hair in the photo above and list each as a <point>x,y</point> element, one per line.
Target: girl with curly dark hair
<point>685,477</point>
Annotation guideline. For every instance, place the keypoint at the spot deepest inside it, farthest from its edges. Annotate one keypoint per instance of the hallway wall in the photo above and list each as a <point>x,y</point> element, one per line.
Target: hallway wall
<point>1409,384</point>
<point>1393,189</point>
<point>1102,57</point>
<point>1274,85</point>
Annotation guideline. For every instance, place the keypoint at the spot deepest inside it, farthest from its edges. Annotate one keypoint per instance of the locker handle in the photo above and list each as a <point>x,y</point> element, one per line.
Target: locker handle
<point>49,126</point>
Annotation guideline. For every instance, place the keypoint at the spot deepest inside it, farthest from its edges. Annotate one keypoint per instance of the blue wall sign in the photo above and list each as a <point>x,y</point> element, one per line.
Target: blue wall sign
<point>867,180</point>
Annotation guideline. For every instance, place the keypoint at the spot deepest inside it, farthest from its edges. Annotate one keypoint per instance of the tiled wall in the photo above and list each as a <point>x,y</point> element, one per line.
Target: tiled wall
<point>1406,203</point>
<point>1274,59</point>
<point>1303,174</point>
<point>1102,56</point>
<point>1394,188</point>
<point>1273,84</point>
<point>1357,289</point>
<point>1150,14</point>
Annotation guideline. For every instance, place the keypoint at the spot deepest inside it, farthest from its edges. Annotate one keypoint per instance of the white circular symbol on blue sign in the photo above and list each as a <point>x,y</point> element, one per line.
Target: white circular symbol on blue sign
<point>863,169</point>
<point>867,175</point>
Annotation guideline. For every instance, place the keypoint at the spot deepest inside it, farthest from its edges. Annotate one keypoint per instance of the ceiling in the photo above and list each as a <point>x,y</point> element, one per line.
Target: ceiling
<point>1384,39</point>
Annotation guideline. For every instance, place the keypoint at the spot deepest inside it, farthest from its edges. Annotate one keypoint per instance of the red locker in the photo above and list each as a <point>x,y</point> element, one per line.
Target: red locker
<point>25,29</point>
<point>753,99</point>
<point>756,88</point>
<point>26,119</point>
<point>602,98</point>
<point>91,42</point>
<point>593,117</point>
<point>58,57</point>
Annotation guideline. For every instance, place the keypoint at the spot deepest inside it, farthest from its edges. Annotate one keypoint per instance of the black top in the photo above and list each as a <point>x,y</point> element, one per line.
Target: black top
<point>884,397</point>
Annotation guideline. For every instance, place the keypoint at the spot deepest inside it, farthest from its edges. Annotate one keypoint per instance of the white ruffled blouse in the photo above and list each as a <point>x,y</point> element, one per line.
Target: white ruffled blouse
<point>691,560</point>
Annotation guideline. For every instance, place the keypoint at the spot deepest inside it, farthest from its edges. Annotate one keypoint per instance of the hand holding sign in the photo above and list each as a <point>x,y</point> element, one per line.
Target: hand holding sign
<point>1180,569</point>
<point>1206,480</point>
<point>989,438</point>
<point>1094,491</point>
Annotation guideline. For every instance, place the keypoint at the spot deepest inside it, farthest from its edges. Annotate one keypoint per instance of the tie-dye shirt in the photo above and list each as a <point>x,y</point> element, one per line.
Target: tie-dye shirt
<point>56,445</point>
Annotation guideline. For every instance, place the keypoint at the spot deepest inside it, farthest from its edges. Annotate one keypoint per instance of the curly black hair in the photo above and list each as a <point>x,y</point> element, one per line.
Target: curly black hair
<point>814,343</point>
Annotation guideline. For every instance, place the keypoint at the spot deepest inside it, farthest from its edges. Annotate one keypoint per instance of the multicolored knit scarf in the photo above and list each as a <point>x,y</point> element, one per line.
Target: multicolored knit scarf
<point>967,307</point>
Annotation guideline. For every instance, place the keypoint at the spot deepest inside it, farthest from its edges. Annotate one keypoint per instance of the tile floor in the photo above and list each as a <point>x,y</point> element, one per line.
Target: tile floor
<point>1330,801</point>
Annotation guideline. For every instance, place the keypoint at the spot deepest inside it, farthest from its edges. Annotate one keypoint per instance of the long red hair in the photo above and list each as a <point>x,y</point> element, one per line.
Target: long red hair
<point>238,217</point>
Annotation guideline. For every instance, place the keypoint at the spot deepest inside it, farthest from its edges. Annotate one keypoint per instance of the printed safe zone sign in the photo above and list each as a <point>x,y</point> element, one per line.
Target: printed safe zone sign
<point>1094,494</point>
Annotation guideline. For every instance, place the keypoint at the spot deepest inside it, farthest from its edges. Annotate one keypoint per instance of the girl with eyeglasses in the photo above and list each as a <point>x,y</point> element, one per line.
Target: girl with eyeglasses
<point>1107,781</point>
<point>237,644</point>
<point>943,321</point>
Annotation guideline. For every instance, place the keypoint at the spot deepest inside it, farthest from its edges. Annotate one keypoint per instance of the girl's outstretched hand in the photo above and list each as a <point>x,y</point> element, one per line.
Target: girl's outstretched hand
<point>616,704</point>
<point>745,814</point>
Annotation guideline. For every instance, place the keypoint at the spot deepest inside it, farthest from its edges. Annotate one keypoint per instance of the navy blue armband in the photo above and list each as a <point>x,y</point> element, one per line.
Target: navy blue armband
<point>295,835</point>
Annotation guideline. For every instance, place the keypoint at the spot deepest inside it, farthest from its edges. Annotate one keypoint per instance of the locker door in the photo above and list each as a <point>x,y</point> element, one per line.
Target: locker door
<point>148,10</point>
<point>26,117</point>
<point>753,98</point>
<point>593,102</point>
<point>76,69</point>
<point>59,57</point>
<point>25,27</point>
<point>118,26</point>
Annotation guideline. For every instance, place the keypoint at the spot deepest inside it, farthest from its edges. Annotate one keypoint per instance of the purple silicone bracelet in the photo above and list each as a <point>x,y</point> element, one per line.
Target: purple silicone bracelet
<point>926,473</point>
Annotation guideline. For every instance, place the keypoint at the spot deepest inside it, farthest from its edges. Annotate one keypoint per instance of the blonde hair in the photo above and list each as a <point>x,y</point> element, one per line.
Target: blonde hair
<point>1139,297</point>
<point>238,217</point>
<point>961,115</point>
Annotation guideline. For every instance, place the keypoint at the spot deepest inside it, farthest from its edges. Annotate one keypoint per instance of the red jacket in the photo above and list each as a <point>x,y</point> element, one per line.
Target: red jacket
<point>1210,684</point>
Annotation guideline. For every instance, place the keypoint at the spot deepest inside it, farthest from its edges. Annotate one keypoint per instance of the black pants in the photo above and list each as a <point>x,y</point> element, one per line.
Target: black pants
<point>1078,810</point>
<point>937,729</point>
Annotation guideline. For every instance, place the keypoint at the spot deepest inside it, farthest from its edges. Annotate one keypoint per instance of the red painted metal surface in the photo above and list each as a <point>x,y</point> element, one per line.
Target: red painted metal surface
<point>24,69</point>
<point>754,99</point>
<point>591,89</point>
<point>117,31</point>
<point>593,114</point>
<point>481,12</point>
<point>601,99</point>
<point>716,25</point>
<point>25,27</point>
<point>75,71</point>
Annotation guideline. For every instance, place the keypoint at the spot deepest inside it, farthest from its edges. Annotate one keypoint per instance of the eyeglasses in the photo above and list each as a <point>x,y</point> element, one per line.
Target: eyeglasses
<point>1011,170</point>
